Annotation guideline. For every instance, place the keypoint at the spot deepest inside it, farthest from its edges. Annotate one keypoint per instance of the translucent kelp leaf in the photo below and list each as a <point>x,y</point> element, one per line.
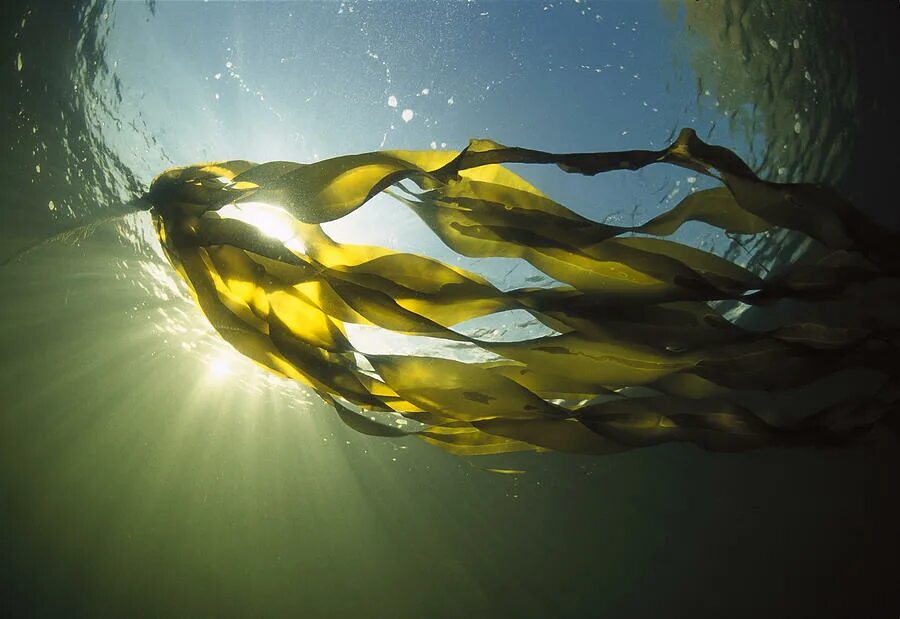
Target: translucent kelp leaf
<point>641,355</point>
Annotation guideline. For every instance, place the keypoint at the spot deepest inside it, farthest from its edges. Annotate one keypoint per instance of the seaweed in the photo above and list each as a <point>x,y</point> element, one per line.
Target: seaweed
<point>639,355</point>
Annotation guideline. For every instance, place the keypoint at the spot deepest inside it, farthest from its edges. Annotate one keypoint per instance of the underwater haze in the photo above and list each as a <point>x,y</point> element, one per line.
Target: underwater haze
<point>149,469</point>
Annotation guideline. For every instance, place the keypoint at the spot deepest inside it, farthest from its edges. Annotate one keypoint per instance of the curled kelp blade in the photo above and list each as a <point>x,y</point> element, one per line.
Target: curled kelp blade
<point>639,355</point>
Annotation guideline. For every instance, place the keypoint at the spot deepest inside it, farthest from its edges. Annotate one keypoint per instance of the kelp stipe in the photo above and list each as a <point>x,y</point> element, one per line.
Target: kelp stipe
<point>80,230</point>
<point>640,355</point>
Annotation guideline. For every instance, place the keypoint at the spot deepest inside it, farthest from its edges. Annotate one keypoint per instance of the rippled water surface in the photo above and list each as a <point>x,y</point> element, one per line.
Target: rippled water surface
<point>147,469</point>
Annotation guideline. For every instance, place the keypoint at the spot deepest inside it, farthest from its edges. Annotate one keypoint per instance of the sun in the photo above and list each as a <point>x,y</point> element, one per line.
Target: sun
<point>220,368</point>
<point>271,220</point>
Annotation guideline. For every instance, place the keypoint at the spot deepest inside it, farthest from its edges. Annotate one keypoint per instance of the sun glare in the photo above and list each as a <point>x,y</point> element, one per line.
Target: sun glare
<point>270,220</point>
<point>220,368</point>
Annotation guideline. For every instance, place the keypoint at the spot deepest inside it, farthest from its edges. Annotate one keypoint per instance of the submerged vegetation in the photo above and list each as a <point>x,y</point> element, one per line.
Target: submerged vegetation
<point>641,351</point>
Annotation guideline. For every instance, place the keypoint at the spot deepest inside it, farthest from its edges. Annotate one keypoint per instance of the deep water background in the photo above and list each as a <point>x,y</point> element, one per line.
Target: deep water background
<point>146,470</point>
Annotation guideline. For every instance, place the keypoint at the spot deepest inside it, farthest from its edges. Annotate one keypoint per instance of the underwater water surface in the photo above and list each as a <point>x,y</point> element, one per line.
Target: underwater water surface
<point>146,468</point>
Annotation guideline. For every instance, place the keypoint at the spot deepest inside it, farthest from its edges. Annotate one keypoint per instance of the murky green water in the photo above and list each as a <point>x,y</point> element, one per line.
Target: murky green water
<point>146,469</point>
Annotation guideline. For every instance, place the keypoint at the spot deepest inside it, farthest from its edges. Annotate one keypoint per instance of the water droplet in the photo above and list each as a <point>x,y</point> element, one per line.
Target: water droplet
<point>407,115</point>
<point>392,101</point>
<point>19,61</point>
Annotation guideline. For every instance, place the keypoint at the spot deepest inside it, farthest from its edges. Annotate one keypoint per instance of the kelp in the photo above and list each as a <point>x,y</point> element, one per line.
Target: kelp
<point>640,352</point>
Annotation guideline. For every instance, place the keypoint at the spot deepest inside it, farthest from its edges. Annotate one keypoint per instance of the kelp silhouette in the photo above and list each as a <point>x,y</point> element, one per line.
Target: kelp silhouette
<point>634,310</point>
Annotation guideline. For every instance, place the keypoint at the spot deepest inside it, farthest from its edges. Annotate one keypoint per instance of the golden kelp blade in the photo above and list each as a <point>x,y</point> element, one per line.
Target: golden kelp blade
<point>641,355</point>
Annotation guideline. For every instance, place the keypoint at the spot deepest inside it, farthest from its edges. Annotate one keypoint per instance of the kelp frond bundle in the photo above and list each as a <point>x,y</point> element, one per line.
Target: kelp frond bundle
<point>639,356</point>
